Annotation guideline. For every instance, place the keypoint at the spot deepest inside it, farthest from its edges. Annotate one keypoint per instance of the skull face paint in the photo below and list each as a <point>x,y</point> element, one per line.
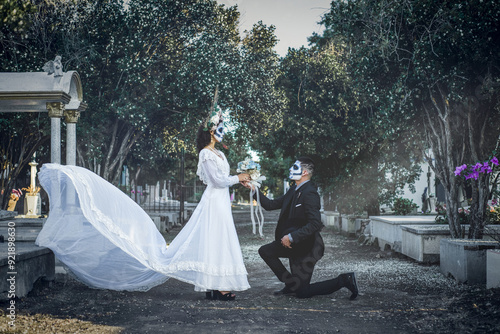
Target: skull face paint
<point>219,132</point>
<point>296,171</point>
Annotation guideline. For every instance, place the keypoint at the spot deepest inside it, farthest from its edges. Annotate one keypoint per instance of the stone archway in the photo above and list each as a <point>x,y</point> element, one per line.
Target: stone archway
<point>54,91</point>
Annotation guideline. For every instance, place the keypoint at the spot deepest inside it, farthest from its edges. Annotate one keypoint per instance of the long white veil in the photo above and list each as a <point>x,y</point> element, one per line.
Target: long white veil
<point>93,229</point>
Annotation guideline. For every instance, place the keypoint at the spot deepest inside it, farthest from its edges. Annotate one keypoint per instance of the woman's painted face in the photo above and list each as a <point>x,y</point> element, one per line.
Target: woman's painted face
<point>219,132</point>
<point>295,171</point>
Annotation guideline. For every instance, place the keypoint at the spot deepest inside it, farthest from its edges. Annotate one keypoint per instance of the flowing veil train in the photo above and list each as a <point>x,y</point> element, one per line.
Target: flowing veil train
<point>109,242</point>
<point>93,229</point>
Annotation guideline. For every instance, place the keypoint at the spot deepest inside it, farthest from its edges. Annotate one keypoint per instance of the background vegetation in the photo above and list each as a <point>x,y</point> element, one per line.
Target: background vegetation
<point>385,83</point>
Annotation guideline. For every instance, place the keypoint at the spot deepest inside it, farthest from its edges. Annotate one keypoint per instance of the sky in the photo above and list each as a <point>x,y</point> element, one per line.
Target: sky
<point>295,20</point>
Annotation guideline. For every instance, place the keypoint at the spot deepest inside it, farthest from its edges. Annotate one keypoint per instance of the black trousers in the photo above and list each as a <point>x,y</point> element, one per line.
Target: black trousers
<point>301,267</point>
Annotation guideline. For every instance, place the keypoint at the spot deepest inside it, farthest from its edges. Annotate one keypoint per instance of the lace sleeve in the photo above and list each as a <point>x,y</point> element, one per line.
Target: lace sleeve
<point>214,171</point>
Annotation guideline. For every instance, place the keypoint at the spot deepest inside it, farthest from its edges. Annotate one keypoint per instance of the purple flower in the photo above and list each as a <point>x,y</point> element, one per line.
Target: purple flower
<point>477,166</point>
<point>459,169</point>
<point>485,168</point>
<point>474,175</point>
<point>494,161</point>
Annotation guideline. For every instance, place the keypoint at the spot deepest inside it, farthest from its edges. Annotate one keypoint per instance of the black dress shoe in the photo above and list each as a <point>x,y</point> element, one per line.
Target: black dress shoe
<point>217,295</point>
<point>285,291</point>
<point>350,283</point>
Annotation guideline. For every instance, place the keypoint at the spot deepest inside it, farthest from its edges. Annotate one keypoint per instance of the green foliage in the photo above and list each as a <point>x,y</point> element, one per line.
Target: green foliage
<point>14,16</point>
<point>428,64</point>
<point>361,160</point>
<point>149,71</point>
<point>403,206</point>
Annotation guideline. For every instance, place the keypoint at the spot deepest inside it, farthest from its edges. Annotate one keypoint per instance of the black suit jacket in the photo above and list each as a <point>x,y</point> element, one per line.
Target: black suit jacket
<point>300,216</point>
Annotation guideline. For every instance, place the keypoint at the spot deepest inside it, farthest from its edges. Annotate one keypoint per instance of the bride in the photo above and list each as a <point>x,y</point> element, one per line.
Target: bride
<point>109,242</point>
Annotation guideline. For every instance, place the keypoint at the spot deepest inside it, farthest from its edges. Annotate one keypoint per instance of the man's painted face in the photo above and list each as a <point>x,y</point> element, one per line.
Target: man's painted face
<point>295,171</point>
<point>219,132</point>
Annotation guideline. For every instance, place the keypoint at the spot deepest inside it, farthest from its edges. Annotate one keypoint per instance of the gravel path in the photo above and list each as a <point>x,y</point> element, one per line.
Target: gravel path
<point>397,295</point>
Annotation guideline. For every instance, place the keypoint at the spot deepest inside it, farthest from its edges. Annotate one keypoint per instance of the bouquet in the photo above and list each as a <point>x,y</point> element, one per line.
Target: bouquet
<point>253,169</point>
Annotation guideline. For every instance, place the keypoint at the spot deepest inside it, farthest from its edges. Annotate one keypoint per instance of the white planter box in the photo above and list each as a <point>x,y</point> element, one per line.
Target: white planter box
<point>422,242</point>
<point>465,259</point>
<point>387,229</point>
<point>493,268</point>
<point>328,218</point>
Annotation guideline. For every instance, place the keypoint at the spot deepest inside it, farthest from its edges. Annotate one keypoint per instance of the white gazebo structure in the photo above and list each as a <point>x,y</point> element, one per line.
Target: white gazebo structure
<point>54,91</point>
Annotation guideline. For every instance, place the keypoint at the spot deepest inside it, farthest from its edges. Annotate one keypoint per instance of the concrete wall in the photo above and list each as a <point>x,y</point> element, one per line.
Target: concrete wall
<point>493,268</point>
<point>31,263</point>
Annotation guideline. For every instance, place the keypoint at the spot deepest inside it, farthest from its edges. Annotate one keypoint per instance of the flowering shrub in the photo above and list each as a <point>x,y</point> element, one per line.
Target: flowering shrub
<point>493,213</point>
<point>442,217</point>
<point>472,171</point>
<point>403,206</point>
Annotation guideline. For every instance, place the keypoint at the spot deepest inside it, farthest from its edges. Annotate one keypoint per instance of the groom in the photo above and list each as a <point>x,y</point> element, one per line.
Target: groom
<point>297,238</point>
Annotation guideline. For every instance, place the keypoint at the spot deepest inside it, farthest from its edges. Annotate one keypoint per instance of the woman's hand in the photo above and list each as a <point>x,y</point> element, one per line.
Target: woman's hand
<point>243,177</point>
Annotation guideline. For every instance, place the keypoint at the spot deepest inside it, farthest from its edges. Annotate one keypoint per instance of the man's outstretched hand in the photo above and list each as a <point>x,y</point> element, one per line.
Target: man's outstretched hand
<point>247,184</point>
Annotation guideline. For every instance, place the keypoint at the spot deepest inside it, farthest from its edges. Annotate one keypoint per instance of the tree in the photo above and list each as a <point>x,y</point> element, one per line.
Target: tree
<point>436,61</point>
<point>149,70</point>
<point>355,147</point>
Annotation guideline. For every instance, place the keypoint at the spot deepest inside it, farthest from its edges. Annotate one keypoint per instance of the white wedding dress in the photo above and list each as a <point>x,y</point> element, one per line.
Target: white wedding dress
<point>109,242</point>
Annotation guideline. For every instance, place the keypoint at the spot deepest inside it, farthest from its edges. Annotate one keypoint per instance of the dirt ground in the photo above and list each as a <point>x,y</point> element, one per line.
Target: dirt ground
<point>397,295</point>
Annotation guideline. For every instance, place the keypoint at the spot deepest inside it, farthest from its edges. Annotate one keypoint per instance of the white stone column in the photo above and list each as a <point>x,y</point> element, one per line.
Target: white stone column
<point>71,117</point>
<point>56,111</point>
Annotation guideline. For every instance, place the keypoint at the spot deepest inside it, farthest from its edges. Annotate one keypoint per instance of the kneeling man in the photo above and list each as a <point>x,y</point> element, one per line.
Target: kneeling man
<point>297,237</point>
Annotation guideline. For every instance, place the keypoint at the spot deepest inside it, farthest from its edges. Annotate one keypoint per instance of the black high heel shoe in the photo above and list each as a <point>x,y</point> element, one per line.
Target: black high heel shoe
<point>208,295</point>
<point>217,295</point>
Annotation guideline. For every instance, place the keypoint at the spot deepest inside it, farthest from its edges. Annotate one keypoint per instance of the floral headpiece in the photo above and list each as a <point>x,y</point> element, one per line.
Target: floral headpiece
<point>215,115</point>
<point>214,119</point>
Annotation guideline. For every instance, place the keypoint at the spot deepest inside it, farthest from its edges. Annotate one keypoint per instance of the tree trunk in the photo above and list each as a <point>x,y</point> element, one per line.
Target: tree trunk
<point>446,133</point>
<point>480,194</point>
<point>452,206</point>
<point>123,138</point>
<point>479,112</point>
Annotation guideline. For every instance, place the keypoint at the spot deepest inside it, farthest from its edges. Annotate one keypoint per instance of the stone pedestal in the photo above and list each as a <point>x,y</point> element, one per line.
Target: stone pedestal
<point>465,259</point>
<point>32,263</point>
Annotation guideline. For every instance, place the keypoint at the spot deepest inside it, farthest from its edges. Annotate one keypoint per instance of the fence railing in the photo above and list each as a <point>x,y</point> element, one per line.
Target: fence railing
<point>156,198</point>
